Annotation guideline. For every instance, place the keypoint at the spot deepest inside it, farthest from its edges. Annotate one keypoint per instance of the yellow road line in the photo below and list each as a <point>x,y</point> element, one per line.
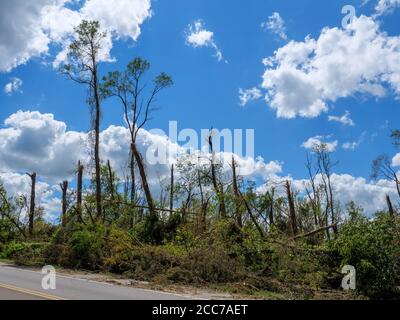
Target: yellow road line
<point>31,292</point>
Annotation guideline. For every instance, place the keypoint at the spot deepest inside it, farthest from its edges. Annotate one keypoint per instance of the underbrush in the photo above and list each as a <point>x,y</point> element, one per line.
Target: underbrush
<point>273,267</point>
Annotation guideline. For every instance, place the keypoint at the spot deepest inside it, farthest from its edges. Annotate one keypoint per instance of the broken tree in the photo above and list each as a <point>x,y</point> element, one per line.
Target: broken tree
<point>32,202</point>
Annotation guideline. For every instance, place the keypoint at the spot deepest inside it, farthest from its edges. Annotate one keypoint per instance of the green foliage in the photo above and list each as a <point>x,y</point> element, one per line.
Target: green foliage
<point>87,248</point>
<point>10,249</point>
<point>150,230</point>
<point>373,248</point>
<point>24,253</point>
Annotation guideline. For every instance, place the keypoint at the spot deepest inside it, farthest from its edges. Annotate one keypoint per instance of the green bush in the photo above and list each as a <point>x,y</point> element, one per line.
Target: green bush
<point>26,253</point>
<point>60,255</point>
<point>89,246</point>
<point>373,248</point>
<point>8,250</point>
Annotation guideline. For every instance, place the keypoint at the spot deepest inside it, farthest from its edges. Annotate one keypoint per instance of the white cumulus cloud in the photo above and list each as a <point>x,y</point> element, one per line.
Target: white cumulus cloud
<point>18,184</point>
<point>32,141</point>
<point>27,28</point>
<point>396,160</point>
<point>303,78</point>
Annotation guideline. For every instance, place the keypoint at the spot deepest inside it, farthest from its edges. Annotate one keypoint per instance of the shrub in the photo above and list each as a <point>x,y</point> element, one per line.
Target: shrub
<point>8,250</point>
<point>87,247</point>
<point>373,248</point>
<point>29,254</point>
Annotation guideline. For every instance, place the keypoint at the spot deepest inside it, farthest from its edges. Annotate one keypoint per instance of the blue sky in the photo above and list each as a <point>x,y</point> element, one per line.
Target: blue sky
<point>206,91</point>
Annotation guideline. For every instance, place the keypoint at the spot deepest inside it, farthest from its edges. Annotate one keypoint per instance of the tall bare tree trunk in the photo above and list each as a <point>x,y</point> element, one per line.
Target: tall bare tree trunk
<point>292,209</point>
<point>390,206</point>
<point>99,210</point>
<point>335,230</point>
<point>133,179</point>
<point>126,189</point>
<point>204,204</point>
<point>237,195</point>
<point>79,191</point>
<point>171,191</point>
<point>271,209</point>
<point>32,203</point>
<point>218,189</point>
<point>111,179</point>
<point>64,189</point>
<point>143,177</point>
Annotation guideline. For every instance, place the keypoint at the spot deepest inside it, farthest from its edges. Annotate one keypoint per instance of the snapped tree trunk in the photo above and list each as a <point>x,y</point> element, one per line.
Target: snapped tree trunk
<point>309,234</point>
<point>218,189</point>
<point>111,181</point>
<point>79,191</point>
<point>335,230</point>
<point>271,209</point>
<point>292,209</point>
<point>143,177</point>
<point>204,204</point>
<point>133,179</point>
<point>236,194</point>
<point>171,191</point>
<point>64,189</point>
<point>32,203</point>
<point>390,206</point>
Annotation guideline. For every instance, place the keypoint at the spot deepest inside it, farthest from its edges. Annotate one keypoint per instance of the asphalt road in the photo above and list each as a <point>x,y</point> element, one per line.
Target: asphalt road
<point>12,294</point>
<point>19,284</point>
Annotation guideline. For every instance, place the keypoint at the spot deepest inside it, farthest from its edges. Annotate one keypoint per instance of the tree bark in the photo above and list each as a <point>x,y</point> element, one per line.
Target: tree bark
<point>79,191</point>
<point>390,206</point>
<point>292,209</point>
<point>32,203</point>
<point>252,217</point>
<point>99,210</point>
<point>171,192</point>
<point>219,191</point>
<point>271,209</point>
<point>64,189</point>
<point>111,179</point>
<point>143,177</point>
<point>309,234</point>
<point>236,193</point>
<point>335,231</point>
<point>133,179</point>
<point>204,204</point>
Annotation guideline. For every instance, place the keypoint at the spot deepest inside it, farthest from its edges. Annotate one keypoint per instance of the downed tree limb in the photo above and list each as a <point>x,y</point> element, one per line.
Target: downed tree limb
<point>162,210</point>
<point>260,230</point>
<point>309,234</point>
<point>14,221</point>
<point>89,211</point>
